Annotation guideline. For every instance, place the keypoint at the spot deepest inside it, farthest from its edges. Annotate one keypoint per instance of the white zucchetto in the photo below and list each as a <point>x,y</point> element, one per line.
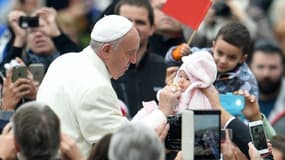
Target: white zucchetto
<point>110,28</point>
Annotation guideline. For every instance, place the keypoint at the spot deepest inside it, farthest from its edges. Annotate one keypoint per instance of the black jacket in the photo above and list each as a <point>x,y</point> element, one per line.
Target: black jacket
<point>140,83</point>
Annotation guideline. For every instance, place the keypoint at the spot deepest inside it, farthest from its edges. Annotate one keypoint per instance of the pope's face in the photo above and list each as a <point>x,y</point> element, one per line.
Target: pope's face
<point>123,54</point>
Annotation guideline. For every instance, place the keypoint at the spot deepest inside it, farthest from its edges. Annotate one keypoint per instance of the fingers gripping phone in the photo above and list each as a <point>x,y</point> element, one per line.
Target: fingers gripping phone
<point>38,71</point>
<point>258,137</point>
<point>19,72</point>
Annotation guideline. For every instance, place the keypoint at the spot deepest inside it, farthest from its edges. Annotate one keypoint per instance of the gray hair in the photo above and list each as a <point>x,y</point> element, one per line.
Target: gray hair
<point>136,142</point>
<point>95,45</point>
<point>36,131</point>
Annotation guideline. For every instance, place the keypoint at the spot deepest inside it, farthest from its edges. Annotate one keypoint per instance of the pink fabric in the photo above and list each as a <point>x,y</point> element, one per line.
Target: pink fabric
<point>201,70</point>
<point>149,106</point>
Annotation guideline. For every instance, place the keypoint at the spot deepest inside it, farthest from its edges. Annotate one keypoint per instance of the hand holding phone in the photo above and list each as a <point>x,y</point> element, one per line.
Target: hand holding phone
<point>258,137</point>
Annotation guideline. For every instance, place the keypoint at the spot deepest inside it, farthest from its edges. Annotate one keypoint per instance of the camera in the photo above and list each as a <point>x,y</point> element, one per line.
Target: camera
<point>28,22</point>
<point>222,9</point>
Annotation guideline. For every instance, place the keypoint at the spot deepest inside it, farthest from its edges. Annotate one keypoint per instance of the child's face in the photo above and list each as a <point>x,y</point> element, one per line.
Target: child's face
<point>183,80</point>
<point>226,55</point>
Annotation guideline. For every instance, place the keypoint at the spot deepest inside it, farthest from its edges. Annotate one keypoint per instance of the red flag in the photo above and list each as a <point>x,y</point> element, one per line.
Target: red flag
<point>189,12</point>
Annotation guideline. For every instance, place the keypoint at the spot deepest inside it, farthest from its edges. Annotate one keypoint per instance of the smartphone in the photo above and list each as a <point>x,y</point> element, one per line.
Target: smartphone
<point>173,138</point>
<point>38,71</point>
<point>19,72</point>
<point>258,137</point>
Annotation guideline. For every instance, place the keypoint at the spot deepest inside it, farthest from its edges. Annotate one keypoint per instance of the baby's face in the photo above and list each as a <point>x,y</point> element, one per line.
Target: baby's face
<point>183,80</point>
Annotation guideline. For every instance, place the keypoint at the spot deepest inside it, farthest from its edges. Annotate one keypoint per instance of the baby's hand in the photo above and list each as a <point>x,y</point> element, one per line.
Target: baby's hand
<point>175,87</point>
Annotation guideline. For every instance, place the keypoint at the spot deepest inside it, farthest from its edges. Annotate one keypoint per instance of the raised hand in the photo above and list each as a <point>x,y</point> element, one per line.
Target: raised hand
<point>20,33</point>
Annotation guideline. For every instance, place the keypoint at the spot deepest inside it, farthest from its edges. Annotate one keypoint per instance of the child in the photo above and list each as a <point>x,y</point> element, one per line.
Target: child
<point>229,50</point>
<point>197,71</point>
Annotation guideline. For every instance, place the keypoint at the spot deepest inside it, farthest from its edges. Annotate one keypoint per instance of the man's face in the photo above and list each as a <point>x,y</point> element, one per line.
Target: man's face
<point>124,54</point>
<point>226,55</point>
<point>139,16</point>
<point>267,69</point>
<point>165,23</point>
<point>38,42</point>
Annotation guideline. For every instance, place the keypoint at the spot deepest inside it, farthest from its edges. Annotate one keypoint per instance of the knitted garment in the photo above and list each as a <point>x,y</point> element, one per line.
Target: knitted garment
<point>201,70</point>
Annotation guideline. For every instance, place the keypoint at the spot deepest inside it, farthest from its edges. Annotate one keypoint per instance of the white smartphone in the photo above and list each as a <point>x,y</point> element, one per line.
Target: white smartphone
<point>38,71</point>
<point>258,137</point>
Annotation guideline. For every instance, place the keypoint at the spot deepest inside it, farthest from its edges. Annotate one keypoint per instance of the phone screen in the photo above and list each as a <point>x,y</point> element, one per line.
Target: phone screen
<point>207,134</point>
<point>258,137</point>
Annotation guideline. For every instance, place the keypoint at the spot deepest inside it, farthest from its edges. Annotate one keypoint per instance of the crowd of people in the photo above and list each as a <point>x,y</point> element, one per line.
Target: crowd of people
<point>109,95</point>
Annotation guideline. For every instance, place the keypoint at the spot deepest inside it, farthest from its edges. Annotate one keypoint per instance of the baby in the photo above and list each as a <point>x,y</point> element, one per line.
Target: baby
<point>197,71</point>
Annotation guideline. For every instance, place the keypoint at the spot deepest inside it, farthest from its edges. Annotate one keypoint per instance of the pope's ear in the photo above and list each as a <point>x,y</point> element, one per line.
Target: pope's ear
<point>106,50</point>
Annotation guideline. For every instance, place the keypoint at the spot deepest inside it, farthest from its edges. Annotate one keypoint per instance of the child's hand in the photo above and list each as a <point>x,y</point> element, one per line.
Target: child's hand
<point>182,50</point>
<point>251,110</point>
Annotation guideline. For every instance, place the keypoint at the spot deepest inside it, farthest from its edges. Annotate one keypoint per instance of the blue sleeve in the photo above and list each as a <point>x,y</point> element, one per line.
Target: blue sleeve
<point>250,81</point>
<point>169,59</point>
<point>172,62</point>
<point>4,118</point>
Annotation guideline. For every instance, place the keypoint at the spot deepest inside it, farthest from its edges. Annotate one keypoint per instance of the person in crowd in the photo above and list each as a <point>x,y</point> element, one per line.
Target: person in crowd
<point>266,62</point>
<point>168,31</point>
<point>143,79</point>
<point>13,94</point>
<point>86,103</point>
<point>136,141</point>
<point>276,19</point>
<point>222,13</point>
<point>44,40</point>
<point>230,50</point>
<point>39,140</point>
